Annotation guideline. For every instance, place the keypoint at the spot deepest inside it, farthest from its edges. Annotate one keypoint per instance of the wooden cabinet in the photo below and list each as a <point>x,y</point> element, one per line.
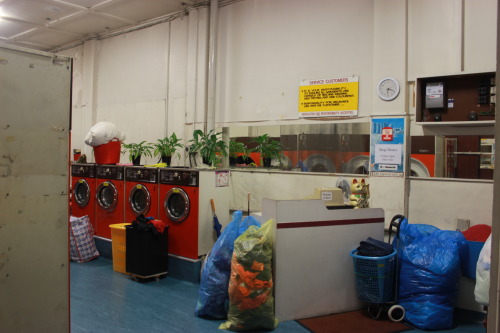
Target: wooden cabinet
<point>465,98</point>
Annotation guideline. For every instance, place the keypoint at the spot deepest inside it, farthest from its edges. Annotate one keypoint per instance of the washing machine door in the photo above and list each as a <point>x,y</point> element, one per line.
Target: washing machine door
<point>139,199</point>
<point>177,204</point>
<point>107,196</point>
<point>81,193</point>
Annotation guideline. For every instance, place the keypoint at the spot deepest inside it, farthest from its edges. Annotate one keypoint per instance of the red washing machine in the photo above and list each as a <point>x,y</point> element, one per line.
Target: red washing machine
<point>179,190</point>
<point>110,202</point>
<point>355,153</point>
<point>319,152</point>
<point>185,206</point>
<point>83,191</point>
<point>141,189</point>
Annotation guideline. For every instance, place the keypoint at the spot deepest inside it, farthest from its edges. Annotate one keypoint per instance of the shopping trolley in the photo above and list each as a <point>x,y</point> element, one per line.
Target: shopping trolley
<point>377,279</point>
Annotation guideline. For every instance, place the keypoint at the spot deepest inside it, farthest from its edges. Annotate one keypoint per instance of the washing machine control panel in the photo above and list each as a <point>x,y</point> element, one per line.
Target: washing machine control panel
<point>179,177</point>
<point>138,174</point>
<point>83,170</point>
<point>112,172</point>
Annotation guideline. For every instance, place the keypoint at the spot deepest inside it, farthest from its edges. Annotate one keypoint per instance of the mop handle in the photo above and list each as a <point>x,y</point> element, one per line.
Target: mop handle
<point>212,203</point>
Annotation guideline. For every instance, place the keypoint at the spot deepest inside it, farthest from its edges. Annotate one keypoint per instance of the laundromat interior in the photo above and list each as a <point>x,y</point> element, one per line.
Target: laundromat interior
<point>382,118</point>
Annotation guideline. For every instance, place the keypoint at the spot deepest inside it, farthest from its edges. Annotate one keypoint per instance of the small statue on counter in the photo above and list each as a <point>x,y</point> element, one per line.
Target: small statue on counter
<point>360,192</point>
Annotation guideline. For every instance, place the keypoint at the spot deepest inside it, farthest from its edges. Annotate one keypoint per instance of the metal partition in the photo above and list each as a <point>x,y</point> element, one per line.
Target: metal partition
<point>35,101</point>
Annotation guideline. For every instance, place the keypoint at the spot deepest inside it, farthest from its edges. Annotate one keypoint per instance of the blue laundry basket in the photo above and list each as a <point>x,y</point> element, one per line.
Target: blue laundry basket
<point>374,277</point>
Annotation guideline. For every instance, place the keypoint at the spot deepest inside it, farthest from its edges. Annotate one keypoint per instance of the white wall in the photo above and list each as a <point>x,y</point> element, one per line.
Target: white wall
<point>446,38</point>
<point>267,47</point>
<point>272,185</point>
<point>441,203</point>
<point>132,83</point>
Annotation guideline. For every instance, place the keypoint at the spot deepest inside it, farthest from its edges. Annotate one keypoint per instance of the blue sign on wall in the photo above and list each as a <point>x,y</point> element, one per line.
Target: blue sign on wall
<point>387,151</point>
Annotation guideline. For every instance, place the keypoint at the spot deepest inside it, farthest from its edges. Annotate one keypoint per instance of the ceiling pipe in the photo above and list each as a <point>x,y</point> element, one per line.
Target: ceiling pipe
<point>212,44</point>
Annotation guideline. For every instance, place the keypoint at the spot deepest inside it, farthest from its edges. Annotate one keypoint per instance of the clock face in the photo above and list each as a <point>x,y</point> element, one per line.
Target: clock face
<point>388,89</point>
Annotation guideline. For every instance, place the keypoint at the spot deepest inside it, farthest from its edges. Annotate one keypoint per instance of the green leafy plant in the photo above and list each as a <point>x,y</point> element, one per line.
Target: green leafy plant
<point>208,145</point>
<point>167,146</point>
<point>137,149</point>
<point>236,147</point>
<point>267,147</point>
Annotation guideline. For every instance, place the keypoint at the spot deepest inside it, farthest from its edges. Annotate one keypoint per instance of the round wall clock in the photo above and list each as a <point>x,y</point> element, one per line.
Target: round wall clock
<point>388,89</point>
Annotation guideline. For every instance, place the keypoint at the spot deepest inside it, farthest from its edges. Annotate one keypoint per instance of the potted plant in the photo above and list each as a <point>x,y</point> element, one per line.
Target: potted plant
<point>267,148</point>
<point>208,145</point>
<point>166,148</point>
<point>136,150</point>
<point>235,148</point>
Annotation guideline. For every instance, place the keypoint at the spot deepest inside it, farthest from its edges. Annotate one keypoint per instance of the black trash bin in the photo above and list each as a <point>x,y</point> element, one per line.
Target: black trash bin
<point>147,252</point>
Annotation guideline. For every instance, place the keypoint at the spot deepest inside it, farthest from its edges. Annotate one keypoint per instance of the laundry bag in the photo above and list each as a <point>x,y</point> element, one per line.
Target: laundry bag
<point>251,301</point>
<point>81,238</point>
<point>430,271</point>
<point>213,297</point>
<point>482,288</point>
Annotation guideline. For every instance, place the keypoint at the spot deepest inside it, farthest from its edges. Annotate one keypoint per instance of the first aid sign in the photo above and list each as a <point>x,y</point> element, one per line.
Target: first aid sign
<point>387,134</point>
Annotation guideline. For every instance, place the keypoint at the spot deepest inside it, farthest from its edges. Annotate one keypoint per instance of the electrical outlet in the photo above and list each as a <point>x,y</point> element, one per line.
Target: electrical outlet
<point>463,224</point>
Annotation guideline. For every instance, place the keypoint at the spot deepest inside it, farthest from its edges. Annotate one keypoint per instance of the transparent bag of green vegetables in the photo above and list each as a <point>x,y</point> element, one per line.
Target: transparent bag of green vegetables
<point>251,301</point>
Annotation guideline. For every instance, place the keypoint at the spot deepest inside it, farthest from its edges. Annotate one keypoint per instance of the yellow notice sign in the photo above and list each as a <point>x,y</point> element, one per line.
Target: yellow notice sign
<point>334,97</point>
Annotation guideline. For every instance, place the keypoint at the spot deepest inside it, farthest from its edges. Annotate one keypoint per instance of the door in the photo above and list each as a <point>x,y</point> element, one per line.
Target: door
<point>35,90</point>
<point>139,199</point>
<point>82,193</point>
<point>107,196</point>
<point>177,205</point>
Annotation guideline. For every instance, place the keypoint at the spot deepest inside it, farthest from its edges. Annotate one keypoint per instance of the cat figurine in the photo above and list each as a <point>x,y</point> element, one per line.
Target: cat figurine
<point>360,193</point>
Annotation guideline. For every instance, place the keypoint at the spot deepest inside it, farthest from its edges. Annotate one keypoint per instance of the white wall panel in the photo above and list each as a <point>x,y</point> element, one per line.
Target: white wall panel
<point>447,37</point>
<point>82,95</point>
<point>480,36</point>
<point>177,112</point>
<point>387,193</point>
<point>133,67</point>
<point>196,66</point>
<point>389,54</point>
<point>434,37</point>
<point>441,203</point>
<point>272,185</point>
<point>265,48</point>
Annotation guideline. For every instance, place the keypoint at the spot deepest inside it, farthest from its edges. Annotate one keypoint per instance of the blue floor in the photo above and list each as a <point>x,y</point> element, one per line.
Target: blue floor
<point>104,301</point>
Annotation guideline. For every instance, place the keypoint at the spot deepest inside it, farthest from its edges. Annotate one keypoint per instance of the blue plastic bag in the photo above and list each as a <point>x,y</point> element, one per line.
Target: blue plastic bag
<point>213,297</point>
<point>429,274</point>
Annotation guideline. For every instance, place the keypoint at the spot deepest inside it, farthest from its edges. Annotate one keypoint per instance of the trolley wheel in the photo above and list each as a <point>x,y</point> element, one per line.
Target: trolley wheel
<point>396,313</point>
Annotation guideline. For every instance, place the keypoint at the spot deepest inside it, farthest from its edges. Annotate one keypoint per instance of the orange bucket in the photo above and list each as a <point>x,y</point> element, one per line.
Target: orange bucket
<point>108,153</point>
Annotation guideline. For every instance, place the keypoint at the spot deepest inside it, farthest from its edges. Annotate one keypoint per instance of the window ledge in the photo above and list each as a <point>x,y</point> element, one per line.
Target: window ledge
<point>476,123</point>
